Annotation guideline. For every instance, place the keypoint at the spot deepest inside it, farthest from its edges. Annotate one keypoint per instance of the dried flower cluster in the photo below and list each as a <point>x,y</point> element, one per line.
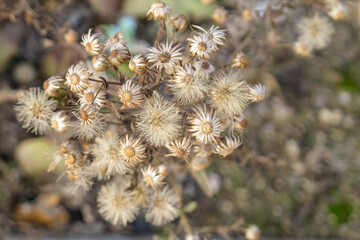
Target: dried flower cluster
<point>175,111</point>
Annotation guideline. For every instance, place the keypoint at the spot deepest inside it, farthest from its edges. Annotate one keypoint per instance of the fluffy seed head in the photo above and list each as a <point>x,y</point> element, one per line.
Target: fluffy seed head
<point>34,110</point>
<point>163,207</point>
<point>90,123</point>
<point>107,155</point>
<point>158,121</point>
<point>228,93</point>
<point>116,204</point>
<point>189,84</point>
<point>315,32</point>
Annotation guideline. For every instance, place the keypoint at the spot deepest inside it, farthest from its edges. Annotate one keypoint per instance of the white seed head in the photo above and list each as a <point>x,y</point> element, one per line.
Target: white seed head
<point>116,204</point>
<point>34,110</point>
<point>163,207</point>
<point>158,121</point>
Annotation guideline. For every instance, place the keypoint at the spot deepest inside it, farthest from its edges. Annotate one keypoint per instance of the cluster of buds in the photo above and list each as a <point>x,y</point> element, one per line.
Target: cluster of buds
<point>129,130</point>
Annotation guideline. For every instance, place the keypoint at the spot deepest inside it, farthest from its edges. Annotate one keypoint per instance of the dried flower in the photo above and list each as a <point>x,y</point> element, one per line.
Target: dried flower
<point>205,124</point>
<point>91,43</point>
<point>116,204</point>
<point>158,121</point>
<point>52,86</point>
<point>115,42</point>
<point>130,94</point>
<point>214,34</point>
<point>158,10</point>
<point>77,78</point>
<point>224,149</point>
<point>151,177</point>
<point>138,64</point>
<point>34,110</point>
<point>92,97</point>
<point>165,56</point>
<point>132,150</point>
<point>180,148</point>
<point>201,46</point>
<point>163,207</point>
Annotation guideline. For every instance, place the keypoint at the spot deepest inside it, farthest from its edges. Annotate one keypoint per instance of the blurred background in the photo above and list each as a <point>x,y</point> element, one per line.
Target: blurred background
<point>297,173</point>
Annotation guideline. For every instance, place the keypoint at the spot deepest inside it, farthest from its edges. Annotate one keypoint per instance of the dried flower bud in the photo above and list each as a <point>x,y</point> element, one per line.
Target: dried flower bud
<point>247,15</point>
<point>71,36</point>
<point>158,10</point>
<point>60,122</point>
<point>163,170</point>
<point>337,11</point>
<point>100,63</point>
<point>119,55</point>
<point>200,162</point>
<point>240,122</point>
<point>52,86</point>
<point>207,2</point>
<point>257,93</point>
<point>138,64</point>
<point>302,49</point>
<point>180,22</point>
<point>219,15</point>
<point>240,61</point>
<point>252,233</point>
